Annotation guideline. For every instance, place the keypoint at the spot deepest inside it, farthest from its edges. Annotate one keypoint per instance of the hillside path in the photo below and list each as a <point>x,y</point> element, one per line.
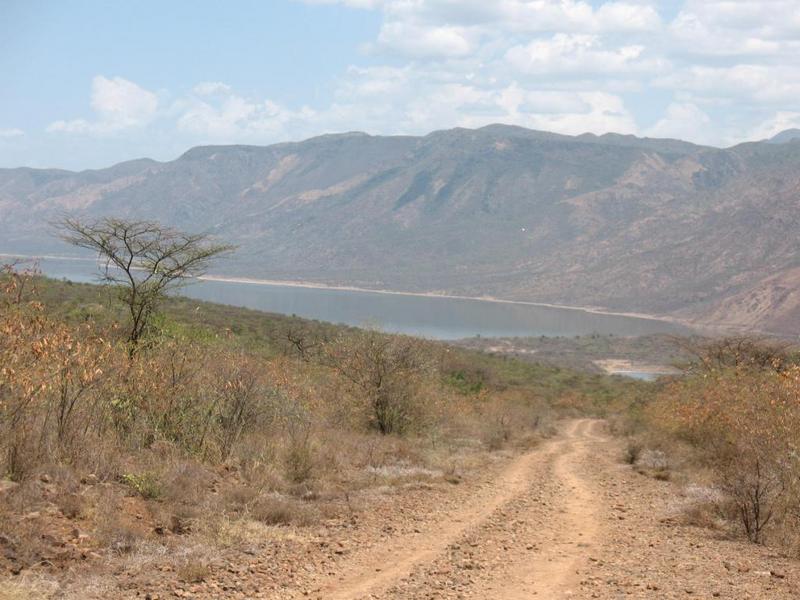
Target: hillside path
<point>522,536</point>
<point>564,520</point>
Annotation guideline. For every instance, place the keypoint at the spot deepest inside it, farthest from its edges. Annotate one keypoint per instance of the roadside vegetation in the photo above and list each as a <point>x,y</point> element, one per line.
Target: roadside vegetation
<point>226,423</point>
<point>587,352</point>
<point>731,429</point>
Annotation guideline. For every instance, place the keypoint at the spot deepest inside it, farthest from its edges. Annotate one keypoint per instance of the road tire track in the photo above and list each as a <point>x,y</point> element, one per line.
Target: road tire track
<point>523,536</point>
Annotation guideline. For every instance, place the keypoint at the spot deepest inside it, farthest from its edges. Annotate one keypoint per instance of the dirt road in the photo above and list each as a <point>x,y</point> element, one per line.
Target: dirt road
<point>513,518</point>
<point>564,520</point>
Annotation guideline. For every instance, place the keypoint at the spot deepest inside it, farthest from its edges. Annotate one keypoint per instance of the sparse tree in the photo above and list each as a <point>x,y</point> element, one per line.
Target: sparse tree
<point>384,370</point>
<point>303,341</point>
<point>735,352</point>
<point>144,260</point>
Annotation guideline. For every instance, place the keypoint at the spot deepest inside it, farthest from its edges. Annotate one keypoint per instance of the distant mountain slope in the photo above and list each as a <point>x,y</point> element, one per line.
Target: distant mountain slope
<point>783,137</point>
<point>626,223</point>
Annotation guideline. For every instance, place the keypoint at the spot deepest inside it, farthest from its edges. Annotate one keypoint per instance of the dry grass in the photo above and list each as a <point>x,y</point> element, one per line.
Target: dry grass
<point>194,564</point>
<point>653,463</point>
<point>28,587</point>
<point>703,506</point>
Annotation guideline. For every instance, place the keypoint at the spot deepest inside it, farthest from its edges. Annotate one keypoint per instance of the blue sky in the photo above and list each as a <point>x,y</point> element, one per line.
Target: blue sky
<point>87,84</point>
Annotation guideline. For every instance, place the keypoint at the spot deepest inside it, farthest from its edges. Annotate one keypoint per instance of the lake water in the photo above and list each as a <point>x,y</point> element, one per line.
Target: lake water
<point>430,317</point>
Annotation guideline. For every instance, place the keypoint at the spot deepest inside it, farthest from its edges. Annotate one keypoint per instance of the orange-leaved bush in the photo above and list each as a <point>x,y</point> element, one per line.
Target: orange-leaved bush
<point>746,424</point>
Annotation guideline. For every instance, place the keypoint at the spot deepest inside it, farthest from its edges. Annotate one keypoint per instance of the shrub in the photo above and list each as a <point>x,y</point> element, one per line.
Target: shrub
<point>743,422</point>
<point>147,485</point>
<point>238,390</point>
<point>274,510</point>
<point>497,431</point>
<point>737,352</point>
<point>386,373</point>
<point>756,491</point>
<point>49,375</point>
<point>70,504</point>
<point>632,451</point>
<point>653,463</point>
<point>193,570</point>
<point>299,459</point>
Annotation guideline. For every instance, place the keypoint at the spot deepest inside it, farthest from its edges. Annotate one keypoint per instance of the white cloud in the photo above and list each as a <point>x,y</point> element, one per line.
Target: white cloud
<point>730,28</point>
<point>350,3</point>
<point>602,113</point>
<point>546,102</point>
<point>782,121</point>
<point>554,64</point>
<point>11,133</point>
<point>389,100</point>
<point>723,69</point>
<point>770,18</point>
<point>751,83</point>
<point>118,104</point>
<point>627,17</point>
<point>565,54</point>
<point>215,113</point>
<point>683,121</point>
<point>414,40</point>
<point>208,88</point>
<point>522,15</point>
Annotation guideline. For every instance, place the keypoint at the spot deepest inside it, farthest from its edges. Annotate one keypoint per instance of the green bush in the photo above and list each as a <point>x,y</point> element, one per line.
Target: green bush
<point>147,485</point>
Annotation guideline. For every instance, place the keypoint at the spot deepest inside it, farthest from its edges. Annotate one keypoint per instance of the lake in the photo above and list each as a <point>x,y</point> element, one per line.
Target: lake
<point>431,317</point>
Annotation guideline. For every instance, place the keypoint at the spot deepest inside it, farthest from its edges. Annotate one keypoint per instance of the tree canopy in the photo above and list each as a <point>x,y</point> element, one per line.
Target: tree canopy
<point>144,260</point>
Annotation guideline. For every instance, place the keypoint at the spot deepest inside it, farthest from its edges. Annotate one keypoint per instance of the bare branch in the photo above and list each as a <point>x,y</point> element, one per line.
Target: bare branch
<point>144,259</point>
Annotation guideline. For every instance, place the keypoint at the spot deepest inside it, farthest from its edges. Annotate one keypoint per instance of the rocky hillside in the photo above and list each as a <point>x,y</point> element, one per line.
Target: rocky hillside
<point>658,226</point>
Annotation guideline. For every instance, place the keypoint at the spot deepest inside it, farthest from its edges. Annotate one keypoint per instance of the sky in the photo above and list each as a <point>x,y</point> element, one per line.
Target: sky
<point>86,84</point>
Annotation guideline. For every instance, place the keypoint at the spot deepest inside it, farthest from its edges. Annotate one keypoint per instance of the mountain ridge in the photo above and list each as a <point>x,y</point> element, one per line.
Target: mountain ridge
<point>625,223</point>
<point>781,137</point>
<point>785,136</point>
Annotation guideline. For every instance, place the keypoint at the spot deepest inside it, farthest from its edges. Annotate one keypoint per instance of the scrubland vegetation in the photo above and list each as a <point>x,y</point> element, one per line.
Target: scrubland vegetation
<point>227,424</point>
<point>581,352</point>
<point>731,426</point>
<point>224,422</point>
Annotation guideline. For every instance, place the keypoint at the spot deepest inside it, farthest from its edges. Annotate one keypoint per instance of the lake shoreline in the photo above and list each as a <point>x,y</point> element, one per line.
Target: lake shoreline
<point>350,288</point>
<point>493,299</point>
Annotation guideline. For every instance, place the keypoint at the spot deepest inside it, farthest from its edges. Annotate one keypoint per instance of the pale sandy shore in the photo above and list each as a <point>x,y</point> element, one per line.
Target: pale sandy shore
<point>624,366</point>
<point>348,288</point>
<point>33,257</point>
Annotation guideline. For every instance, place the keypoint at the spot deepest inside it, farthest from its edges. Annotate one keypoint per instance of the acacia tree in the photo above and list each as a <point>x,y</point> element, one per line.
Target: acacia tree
<point>735,352</point>
<point>144,260</point>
